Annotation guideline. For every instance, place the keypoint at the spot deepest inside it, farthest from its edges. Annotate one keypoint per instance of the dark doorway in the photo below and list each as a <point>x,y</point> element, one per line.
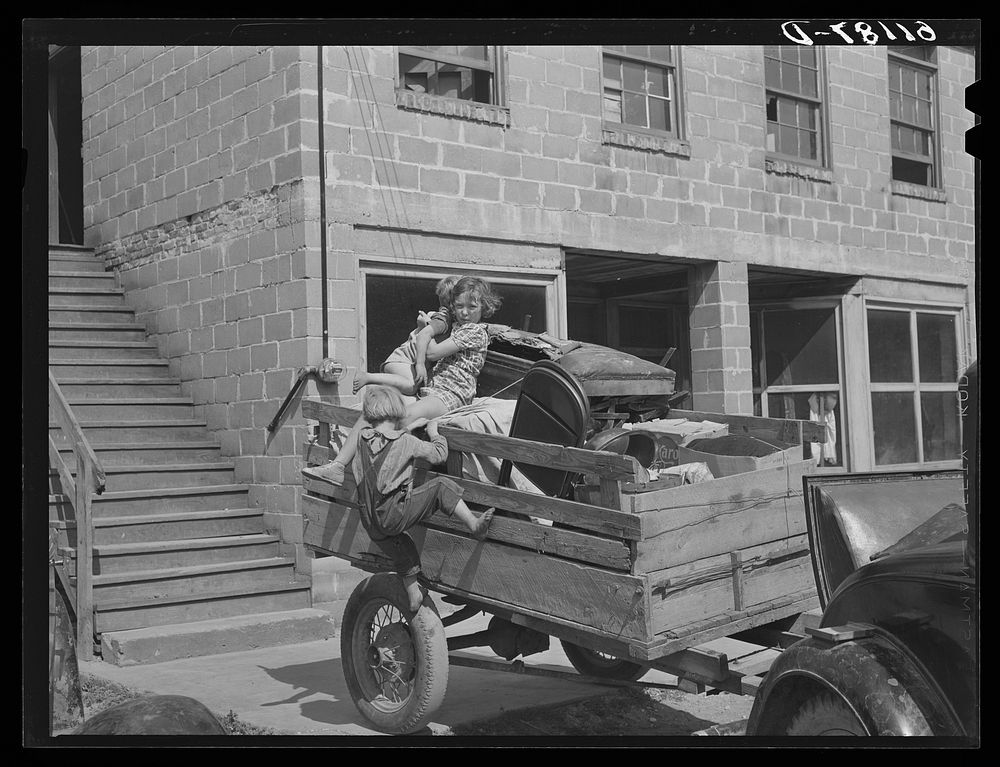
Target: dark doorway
<point>65,143</point>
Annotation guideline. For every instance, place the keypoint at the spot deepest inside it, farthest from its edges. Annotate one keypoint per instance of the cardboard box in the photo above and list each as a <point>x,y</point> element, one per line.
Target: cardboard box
<point>727,465</point>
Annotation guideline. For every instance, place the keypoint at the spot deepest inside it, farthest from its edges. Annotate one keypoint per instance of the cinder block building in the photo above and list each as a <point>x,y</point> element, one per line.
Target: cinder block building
<point>796,221</point>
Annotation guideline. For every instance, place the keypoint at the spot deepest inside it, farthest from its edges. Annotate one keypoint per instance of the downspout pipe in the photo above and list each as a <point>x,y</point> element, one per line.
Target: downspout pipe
<point>321,125</point>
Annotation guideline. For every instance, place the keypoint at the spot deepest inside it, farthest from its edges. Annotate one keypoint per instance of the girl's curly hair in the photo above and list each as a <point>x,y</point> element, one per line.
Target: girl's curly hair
<point>489,299</point>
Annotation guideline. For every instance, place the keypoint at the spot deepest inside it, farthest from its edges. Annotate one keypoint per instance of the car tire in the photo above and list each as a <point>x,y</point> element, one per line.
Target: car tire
<point>395,661</point>
<point>591,663</point>
<point>826,714</point>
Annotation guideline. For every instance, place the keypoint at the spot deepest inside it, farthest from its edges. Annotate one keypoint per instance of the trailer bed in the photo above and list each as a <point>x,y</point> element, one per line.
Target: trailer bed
<point>643,570</point>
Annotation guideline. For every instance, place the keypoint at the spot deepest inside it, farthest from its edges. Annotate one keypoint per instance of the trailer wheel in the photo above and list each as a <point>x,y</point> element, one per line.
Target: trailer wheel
<point>592,663</point>
<point>395,662</point>
<point>825,714</point>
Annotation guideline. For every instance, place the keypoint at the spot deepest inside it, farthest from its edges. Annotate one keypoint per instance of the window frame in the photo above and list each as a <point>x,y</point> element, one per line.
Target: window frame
<point>762,391</point>
<point>930,67</point>
<point>494,64</point>
<point>915,386</point>
<point>820,101</point>
<point>676,82</point>
<point>552,280</point>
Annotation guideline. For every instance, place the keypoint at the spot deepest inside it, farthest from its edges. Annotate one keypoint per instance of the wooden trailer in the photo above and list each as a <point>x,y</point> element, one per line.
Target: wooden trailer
<point>634,578</point>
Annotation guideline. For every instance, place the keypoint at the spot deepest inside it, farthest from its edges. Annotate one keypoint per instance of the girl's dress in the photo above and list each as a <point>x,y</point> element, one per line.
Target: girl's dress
<point>406,352</point>
<point>453,380</point>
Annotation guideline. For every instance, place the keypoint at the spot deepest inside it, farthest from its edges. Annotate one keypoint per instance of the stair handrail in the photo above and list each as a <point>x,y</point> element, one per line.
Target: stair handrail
<point>90,479</point>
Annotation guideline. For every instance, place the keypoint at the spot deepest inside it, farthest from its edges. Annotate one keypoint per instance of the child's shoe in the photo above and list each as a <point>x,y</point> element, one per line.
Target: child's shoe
<point>332,472</point>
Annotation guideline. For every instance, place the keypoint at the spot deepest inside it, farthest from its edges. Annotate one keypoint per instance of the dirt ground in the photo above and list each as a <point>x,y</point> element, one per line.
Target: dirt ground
<point>625,712</point>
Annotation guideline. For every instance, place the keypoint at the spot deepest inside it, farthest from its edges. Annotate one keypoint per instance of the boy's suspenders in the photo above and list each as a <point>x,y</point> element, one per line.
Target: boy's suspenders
<point>369,497</point>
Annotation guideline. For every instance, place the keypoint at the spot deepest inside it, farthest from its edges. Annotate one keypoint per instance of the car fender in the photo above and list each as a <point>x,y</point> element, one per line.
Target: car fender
<point>883,684</point>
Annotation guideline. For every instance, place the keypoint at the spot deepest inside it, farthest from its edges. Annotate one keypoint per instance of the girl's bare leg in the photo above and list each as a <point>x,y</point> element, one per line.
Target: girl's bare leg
<point>428,407</point>
<point>478,526</point>
<point>335,470</point>
<point>397,375</point>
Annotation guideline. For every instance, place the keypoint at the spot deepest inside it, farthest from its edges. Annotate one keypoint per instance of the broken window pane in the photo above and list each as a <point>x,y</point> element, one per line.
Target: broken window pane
<point>941,426</point>
<point>801,347</point>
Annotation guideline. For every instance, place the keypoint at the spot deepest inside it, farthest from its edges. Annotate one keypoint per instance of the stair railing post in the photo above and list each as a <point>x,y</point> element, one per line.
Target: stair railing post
<point>84,557</point>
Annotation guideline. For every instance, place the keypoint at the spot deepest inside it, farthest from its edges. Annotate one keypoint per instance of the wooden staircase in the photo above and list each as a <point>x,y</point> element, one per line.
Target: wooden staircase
<point>175,543</point>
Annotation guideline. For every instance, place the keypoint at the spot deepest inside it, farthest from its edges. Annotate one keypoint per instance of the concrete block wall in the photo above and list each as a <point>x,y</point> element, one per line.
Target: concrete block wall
<point>201,191</point>
<point>545,172</point>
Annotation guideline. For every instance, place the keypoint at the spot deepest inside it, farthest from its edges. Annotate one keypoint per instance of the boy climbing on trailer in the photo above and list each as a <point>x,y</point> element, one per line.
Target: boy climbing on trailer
<point>390,504</point>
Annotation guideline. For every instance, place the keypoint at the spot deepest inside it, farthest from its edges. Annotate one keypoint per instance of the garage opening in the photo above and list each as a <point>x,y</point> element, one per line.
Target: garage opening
<point>637,305</point>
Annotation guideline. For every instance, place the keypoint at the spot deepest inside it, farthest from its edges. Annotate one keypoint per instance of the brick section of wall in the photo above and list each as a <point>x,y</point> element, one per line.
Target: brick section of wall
<point>172,131</point>
<point>433,172</point>
<point>230,297</point>
<point>720,338</point>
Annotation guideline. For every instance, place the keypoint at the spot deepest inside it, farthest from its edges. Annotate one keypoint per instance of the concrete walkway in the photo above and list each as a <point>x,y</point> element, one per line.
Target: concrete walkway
<point>300,689</point>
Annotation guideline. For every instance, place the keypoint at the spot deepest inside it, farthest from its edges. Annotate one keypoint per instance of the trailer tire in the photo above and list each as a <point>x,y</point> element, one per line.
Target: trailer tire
<point>825,714</point>
<point>592,663</point>
<point>395,662</point>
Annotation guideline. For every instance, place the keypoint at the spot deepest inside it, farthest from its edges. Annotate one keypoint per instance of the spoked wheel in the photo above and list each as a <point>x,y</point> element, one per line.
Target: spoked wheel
<point>592,663</point>
<point>395,662</point>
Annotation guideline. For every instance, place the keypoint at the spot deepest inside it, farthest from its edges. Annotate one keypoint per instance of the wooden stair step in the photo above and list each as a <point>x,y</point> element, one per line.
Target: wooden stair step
<point>161,500</point>
<point>168,526</point>
<point>137,477</point>
<point>131,408</point>
<point>96,331</point>
<point>194,580</point>
<point>131,614</point>
<point>147,453</point>
<point>76,313</point>
<point>75,263</point>
<point>152,430</point>
<point>88,297</point>
<point>123,369</point>
<point>62,349</point>
<point>106,388</point>
<point>165,554</point>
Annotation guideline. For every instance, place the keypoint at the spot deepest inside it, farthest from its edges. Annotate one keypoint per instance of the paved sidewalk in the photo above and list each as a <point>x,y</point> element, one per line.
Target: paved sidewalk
<point>300,689</point>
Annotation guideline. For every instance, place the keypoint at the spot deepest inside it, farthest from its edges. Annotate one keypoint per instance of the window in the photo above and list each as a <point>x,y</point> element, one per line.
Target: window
<point>912,73</point>
<point>913,364</point>
<point>795,356</point>
<point>640,87</point>
<point>464,72</point>
<point>794,104</point>
<point>392,298</point>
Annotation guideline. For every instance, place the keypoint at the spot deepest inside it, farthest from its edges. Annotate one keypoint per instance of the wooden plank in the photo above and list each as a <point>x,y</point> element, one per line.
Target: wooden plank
<point>725,624</point>
<point>65,478</point>
<point>719,529</point>
<point>807,431</point>
<point>617,524</point>
<point>579,460</point>
<point>763,484</point>
<point>570,544</point>
<point>671,608</point>
<point>611,602</point>
<point>84,561</point>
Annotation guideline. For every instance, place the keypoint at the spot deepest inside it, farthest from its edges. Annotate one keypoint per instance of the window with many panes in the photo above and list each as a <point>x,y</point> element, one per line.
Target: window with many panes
<point>912,76</point>
<point>465,72</point>
<point>795,355</point>
<point>913,363</point>
<point>640,88</point>
<point>794,84</point>
<point>393,296</point>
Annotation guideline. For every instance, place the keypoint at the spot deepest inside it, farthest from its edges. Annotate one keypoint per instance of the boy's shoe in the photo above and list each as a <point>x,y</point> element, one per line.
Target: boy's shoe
<point>332,472</point>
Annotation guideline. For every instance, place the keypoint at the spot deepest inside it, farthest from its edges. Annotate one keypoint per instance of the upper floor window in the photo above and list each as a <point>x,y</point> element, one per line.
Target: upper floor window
<point>795,119</point>
<point>640,87</point>
<point>464,72</point>
<point>912,73</point>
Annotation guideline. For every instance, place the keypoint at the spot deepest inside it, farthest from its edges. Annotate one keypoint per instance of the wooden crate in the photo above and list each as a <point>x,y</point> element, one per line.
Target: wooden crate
<point>641,570</point>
